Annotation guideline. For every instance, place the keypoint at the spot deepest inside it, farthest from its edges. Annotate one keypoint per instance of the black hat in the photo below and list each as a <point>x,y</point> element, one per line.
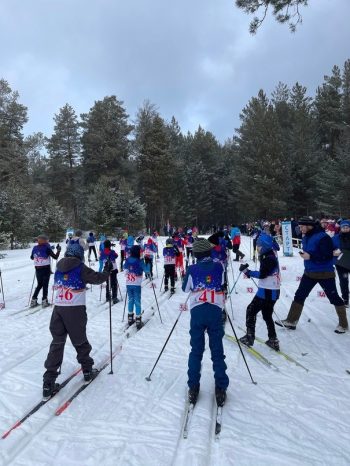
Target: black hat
<point>202,248</point>
<point>135,251</point>
<point>307,220</point>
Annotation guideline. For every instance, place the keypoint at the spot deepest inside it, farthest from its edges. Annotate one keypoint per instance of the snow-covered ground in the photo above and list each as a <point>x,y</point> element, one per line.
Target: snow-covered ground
<point>291,417</point>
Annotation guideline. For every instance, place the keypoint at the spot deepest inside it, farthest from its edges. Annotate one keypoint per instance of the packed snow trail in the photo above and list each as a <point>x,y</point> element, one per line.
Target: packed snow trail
<point>291,417</point>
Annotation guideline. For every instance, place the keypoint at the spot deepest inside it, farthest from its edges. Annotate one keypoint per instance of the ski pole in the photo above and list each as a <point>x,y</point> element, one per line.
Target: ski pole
<point>2,288</point>
<point>31,290</point>
<point>101,292</point>
<point>118,288</point>
<point>240,348</point>
<point>156,267</point>
<point>155,297</point>
<point>282,324</point>
<point>234,285</point>
<point>110,321</point>
<point>125,304</point>
<point>166,342</point>
<point>161,283</point>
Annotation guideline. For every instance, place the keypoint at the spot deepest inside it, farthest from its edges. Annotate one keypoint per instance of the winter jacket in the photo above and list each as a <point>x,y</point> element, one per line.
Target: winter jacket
<point>268,275</point>
<point>41,254</point>
<point>133,270</point>
<point>169,253</point>
<point>205,281</point>
<point>109,254</point>
<point>320,247</point>
<point>71,276</point>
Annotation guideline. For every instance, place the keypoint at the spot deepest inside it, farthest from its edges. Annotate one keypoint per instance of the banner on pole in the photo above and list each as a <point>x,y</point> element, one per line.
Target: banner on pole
<point>287,239</point>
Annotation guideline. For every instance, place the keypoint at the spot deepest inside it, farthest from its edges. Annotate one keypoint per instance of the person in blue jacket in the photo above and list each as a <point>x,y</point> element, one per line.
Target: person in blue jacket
<point>101,248</point>
<point>134,267</point>
<point>204,280</point>
<point>91,240</point>
<point>318,263</point>
<point>170,252</point>
<point>109,255</point>
<point>341,243</point>
<point>267,294</point>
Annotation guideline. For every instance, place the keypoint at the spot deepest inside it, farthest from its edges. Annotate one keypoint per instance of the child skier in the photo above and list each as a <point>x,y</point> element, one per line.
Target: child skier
<point>69,315</point>
<point>133,269</point>
<point>91,243</point>
<point>122,244</point>
<point>205,281</point>
<point>109,255</point>
<point>179,264</point>
<point>41,254</point>
<point>170,252</point>
<point>149,251</point>
<point>188,240</point>
<point>267,294</point>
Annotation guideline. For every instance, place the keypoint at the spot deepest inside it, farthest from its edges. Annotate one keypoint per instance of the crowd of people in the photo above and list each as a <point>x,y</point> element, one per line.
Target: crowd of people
<point>201,264</point>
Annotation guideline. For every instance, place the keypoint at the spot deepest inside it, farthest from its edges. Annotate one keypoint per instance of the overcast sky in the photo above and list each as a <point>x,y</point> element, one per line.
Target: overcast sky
<point>193,59</point>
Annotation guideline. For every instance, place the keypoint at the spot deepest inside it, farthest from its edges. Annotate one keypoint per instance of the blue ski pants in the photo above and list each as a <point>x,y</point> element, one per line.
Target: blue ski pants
<point>134,299</point>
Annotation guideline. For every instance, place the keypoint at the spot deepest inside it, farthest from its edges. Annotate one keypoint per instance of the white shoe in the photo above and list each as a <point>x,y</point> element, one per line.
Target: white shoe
<point>340,329</point>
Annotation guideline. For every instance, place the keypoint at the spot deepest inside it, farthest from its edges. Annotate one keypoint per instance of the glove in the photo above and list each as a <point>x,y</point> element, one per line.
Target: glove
<point>243,268</point>
<point>108,267</point>
<point>58,248</point>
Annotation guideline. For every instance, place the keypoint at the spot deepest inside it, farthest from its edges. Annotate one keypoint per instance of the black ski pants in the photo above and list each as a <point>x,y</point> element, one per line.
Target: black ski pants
<point>149,260</point>
<point>343,275</point>
<point>114,285</point>
<point>67,320</point>
<point>122,258</point>
<point>169,272</point>
<point>43,278</point>
<point>92,249</point>
<point>266,307</point>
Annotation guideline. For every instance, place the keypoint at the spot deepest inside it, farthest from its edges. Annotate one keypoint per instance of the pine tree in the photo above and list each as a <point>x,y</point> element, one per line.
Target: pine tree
<point>13,115</point>
<point>105,140</point>
<point>64,151</point>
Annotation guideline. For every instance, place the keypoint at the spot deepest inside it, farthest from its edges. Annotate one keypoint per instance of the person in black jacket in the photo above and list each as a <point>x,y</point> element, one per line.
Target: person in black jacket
<point>69,316</point>
<point>267,294</point>
<point>341,243</point>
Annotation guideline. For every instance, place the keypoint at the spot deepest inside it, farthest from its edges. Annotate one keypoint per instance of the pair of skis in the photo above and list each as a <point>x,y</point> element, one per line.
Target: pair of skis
<point>188,418</point>
<point>64,405</point>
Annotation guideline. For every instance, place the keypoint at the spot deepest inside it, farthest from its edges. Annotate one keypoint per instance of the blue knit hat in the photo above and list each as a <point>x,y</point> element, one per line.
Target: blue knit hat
<point>265,242</point>
<point>75,250</point>
<point>345,223</point>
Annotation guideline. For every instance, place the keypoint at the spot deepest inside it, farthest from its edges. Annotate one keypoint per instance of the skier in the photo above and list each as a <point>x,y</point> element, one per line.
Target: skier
<point>122,243</point>
<point>41,254</point>
<point>109,255</point>
<point>91,244</point>
<point>341,243</point>
<point>267,294</point>
<point>236,242</point>
<point>170,252</point>
<point>101,248</point>
<point>70,236</point>
<point>133,269</point>
<point>69,315</point>
<point>188,241</point>
<point>77,238</point>
<point>205,281</point>
<point>318,262</point>
<point>155,241</point>
<point>150,250</point>
<point>179,262</point>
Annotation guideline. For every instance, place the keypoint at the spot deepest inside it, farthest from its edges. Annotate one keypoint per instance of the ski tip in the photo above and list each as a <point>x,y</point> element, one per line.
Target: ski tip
<point>62,408</point>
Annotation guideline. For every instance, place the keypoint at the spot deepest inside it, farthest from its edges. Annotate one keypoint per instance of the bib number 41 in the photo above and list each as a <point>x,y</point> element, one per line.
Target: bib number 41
<point>208,296</point>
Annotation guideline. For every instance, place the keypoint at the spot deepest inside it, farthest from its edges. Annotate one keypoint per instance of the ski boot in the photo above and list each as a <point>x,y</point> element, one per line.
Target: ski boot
<point>89,375</point>
<point>166,288</point>
<point>115,300</point>
<point>45,303</point>
<point>139,323</point>
<point>286,324</point>
<point>172,290</point>
<point>50,389</point>
<point>193,395</point>
<point>273,343</point>
<point>33,303</point>
<point>130,319</point>
<point>220,395</point>
<point>247,340</point>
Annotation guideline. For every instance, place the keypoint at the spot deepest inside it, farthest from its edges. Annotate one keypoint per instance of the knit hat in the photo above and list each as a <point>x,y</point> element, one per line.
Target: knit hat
<point>78,233</point>
<point>169,241</point>
<point>43,237</point>
<point>75,250</point>
<point>107,244</point>
<point>265,242</point>
<point>135,251</point>
<point>307,220</point>
<point>202,247</point>
<point>345,223</point>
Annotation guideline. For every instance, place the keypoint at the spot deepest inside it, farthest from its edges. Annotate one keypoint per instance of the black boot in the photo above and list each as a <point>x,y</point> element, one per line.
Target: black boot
<point>115,300</point>
<point>247,340</point>
<point>193,395</point>
<point>273,343</point>
<point>89,375</point>
<point>220,395</point>
<point>50,389</point>
<point>139,323</point>
<point>130,319</point>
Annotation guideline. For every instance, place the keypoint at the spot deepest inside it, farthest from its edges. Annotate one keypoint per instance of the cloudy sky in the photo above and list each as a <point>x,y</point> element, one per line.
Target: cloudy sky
<point>194,59</point>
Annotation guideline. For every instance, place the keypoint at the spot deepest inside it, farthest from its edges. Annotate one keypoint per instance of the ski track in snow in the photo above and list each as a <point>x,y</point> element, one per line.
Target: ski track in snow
<point>290,417</point>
